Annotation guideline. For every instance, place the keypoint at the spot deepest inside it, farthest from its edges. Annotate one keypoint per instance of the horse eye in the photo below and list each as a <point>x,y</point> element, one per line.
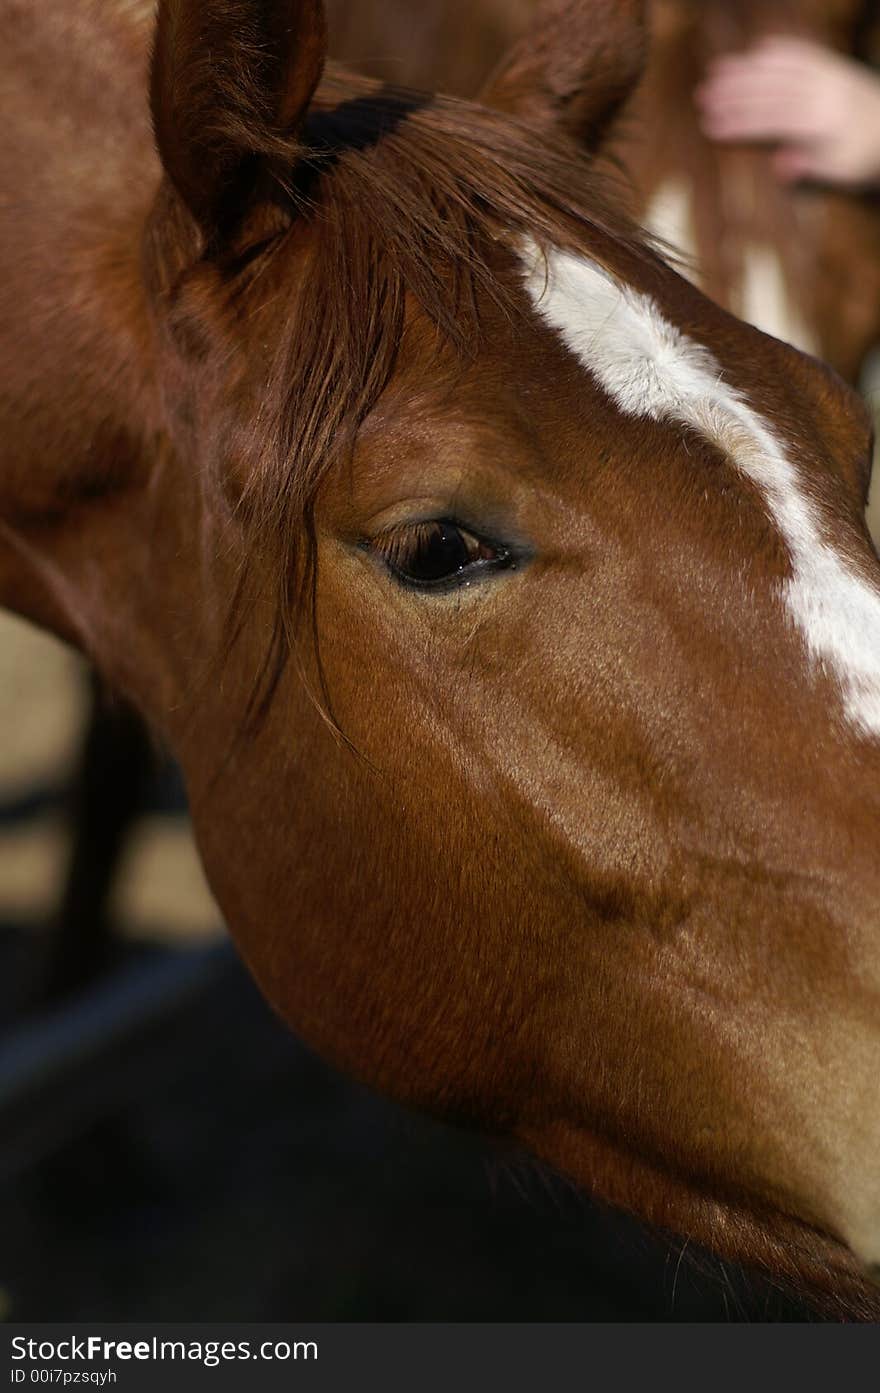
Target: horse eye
<point>437,553</point>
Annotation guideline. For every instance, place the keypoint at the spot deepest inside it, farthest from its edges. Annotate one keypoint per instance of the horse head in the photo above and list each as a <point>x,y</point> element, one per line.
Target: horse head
<point>511,610</point>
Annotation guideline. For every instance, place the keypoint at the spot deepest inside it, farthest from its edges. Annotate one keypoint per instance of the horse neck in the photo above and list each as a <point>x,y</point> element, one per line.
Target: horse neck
<point>73,327</point>
<point>75,338</point>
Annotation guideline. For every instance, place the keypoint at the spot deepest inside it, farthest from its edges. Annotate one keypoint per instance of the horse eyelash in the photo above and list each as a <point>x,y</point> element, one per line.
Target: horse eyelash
<point>403,541</point>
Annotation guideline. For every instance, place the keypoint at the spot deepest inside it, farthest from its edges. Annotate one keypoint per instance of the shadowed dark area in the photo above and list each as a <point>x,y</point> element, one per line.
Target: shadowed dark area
<point>360,122</point>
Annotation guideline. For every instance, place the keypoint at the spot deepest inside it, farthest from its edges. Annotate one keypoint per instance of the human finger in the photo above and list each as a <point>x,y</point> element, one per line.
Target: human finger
<point>793,164</point>
<point>757,120</point>
<point>743,83</point>
<point>777,58</point>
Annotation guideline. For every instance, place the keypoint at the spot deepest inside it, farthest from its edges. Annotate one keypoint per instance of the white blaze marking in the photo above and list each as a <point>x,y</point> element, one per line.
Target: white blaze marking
<point>650,368</point>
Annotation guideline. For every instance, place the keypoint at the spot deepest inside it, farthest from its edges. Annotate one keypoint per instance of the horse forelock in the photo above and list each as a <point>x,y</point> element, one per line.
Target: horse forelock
<point>406,197</point>
<point>395,202</point>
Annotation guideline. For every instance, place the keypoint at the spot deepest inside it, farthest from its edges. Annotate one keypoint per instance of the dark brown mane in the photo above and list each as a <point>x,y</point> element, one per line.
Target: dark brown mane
<point>397,198</point>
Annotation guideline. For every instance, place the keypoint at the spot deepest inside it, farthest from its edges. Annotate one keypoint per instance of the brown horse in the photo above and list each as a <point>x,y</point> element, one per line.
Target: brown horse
<point>802,264</point>
<point>508,604</point>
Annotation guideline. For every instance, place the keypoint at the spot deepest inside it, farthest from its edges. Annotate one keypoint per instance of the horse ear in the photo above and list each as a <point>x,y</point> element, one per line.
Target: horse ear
<point>574,68</point>
<point>231,83</point>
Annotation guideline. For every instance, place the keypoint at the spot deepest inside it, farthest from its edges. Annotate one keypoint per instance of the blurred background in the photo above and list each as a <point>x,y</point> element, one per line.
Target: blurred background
<point>167,1149</point>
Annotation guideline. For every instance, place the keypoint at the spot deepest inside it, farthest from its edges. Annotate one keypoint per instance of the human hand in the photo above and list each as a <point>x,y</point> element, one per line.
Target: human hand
<point>822,110</point>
